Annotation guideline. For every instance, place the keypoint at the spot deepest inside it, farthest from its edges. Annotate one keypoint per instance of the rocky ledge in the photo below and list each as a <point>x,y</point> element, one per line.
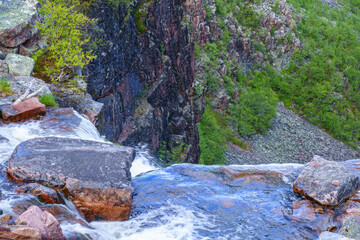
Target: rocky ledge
<point>94,175</point>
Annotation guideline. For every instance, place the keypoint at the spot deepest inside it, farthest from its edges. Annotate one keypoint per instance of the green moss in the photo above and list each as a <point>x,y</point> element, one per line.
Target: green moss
<point>140,12</point>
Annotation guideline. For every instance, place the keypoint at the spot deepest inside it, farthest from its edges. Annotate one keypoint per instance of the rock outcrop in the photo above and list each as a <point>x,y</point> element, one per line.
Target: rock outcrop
<point>94,175</point>
<point>43,221</point>
<point>146,77</point>
<point>329,183</point>
<point>16,20</point>
<point>25,109</point>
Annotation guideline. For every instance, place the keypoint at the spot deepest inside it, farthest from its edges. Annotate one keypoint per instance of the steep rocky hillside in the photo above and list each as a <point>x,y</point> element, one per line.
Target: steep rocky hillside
<point>161,64</point>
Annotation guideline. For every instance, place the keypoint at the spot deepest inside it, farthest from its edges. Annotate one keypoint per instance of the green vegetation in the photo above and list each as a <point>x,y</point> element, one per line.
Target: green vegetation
<point>63,30</point>
<point>5,87</point>
<point>175,155</point>
<point>48,100</point>
<point>140,12</point>
<point>214,134</point>
<point>323,79</point>
<point>321,83</point>
<point>255,112</point>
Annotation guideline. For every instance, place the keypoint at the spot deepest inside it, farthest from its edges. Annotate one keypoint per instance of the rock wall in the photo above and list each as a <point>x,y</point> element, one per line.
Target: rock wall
<point>144,79</point>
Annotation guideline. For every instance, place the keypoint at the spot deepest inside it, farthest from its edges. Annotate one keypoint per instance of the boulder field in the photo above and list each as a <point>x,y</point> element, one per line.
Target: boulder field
<point>94,175</point>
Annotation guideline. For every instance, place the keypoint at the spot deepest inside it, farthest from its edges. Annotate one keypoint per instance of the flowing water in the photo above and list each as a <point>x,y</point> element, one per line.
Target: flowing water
<point>178,202</point>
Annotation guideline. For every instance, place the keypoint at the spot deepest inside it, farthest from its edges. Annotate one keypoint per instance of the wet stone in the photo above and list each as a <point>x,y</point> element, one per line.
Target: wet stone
<point>94,175</point>
<point>45,194</point>
<point>25,109</point>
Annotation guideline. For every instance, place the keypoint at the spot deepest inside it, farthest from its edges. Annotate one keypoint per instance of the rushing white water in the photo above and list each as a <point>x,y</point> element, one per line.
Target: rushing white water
<point>143,161</point>
<point>14,133</point>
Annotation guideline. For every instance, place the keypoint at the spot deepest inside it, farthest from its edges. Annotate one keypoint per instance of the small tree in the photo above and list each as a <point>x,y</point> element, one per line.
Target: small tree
<point>62,29</point>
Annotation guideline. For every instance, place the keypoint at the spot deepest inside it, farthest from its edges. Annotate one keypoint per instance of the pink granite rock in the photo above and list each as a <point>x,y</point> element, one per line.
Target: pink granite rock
<point>25,109</point>
<point>46,223</point>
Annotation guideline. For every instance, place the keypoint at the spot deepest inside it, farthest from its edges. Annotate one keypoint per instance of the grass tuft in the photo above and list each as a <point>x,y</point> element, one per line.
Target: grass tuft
<point>48,100</point>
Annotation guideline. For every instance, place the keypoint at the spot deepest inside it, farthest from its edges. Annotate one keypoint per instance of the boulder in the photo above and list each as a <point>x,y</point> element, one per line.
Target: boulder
<point>332,236</point>
<point>94,175</point>
<point>16,18</point>
<point>327,182</point>
<point>25,109</point>
<point>45,194</point>
<point>48,226</point>
<point>19,65</point>
<point>19,233</point>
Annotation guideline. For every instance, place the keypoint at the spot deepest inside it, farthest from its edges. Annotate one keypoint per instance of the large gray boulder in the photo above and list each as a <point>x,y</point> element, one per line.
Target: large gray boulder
<point>327,182</point>
<point>19,65</point>
<point>16,19</point>
<point>94,175</point>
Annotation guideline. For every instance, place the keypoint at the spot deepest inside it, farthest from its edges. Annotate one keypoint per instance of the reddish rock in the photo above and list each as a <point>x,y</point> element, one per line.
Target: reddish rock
<point>327,182</point>
<point>6,219</point>
<point>45,194</point>
<point>46,223</point>
<point>94,175</point>
<point>303,210</point>
<point>25,109</point>
<point>19,233</point>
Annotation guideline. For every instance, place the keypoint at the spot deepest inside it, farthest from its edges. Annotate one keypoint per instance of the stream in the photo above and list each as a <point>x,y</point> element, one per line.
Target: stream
<point>183,201</point>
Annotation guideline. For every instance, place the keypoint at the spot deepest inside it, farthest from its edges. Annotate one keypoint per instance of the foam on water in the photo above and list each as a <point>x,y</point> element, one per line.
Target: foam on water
<point>171,222</point>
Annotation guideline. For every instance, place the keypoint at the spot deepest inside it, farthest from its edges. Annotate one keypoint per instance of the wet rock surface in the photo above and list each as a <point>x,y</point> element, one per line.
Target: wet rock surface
<point>290,139</point>
<point>43,221</point>
<point>82,102</point>
<point>96,176</point>
<point>25,109</point>
<point>332,236</point>
<point>45,194</point>
<point>329,183</point>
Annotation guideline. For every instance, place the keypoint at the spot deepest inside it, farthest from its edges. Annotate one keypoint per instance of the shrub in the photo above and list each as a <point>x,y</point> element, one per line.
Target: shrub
<point>255,112</point>
<point>5,87</point>
<point>214,134</point>
<point>48,100</point>
<point>62,29</point>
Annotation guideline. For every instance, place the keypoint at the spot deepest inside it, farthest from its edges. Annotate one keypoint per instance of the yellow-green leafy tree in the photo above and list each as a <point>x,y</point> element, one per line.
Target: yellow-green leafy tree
<point>63,28</point>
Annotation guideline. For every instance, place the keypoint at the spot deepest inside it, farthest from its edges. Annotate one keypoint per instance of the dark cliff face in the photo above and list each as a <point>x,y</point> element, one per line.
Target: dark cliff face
<point>145,79</point>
